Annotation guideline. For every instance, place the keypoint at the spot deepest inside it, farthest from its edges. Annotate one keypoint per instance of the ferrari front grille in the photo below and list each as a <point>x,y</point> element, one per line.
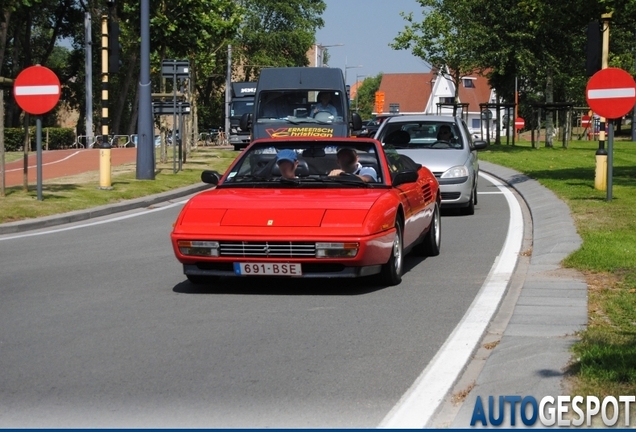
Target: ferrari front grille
<point>267,249</point>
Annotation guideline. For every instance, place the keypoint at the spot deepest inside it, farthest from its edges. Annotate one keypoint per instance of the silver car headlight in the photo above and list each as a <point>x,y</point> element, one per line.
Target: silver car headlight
<point>455,172</point>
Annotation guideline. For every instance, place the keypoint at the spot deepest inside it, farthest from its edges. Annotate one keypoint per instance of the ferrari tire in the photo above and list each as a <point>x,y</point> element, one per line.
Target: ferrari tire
<point>431,245</point>
<point>392,271</point>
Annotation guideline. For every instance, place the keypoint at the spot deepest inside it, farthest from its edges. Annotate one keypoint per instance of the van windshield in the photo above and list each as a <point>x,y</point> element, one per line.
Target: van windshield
<point>301,106</point>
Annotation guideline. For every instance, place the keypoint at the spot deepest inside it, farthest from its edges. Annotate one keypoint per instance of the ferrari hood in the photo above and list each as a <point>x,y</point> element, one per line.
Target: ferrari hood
<point>280,207</point>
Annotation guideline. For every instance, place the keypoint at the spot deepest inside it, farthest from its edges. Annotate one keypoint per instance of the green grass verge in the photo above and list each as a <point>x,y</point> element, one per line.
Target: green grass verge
<point>606,353</point>
<point>82,191</point>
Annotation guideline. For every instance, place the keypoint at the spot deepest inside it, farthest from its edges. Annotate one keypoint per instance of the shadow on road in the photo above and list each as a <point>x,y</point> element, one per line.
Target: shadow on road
<point>291,286</point>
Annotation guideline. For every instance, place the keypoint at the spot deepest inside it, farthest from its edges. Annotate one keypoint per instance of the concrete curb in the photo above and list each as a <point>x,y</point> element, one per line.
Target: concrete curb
<point>105,210</point>
<point>531,357</point>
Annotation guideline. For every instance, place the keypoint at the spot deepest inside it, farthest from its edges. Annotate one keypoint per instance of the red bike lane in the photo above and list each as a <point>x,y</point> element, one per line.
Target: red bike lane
<point>62,163</point>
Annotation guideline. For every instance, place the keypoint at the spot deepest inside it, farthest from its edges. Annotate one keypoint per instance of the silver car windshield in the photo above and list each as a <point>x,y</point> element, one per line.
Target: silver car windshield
<point>423,134</point>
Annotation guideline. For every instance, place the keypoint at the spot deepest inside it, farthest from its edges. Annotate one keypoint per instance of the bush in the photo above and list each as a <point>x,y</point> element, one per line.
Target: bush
<point>58,138</point>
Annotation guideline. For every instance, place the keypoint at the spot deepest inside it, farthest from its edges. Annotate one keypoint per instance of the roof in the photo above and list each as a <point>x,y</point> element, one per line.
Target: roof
<point>410,90</point>
<point>297,78</point>
<point>413,91</point>
<point>473,96</point>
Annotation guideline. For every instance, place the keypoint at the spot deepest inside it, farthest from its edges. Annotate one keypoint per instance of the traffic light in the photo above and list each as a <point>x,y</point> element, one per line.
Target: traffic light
<point>114,47</point>
<point>594,48</point>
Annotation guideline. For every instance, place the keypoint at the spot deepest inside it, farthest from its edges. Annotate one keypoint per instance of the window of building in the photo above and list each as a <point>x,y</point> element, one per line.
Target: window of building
<point>468,83</point>
<point>476,123</point>
<point>447,100</point>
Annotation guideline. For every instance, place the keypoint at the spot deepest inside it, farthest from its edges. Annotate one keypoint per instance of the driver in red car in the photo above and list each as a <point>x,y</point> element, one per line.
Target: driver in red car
<point>349,163</point>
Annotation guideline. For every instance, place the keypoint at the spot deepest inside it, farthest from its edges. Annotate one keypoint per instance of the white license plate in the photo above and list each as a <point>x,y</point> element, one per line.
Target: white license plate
<point>267,269</point>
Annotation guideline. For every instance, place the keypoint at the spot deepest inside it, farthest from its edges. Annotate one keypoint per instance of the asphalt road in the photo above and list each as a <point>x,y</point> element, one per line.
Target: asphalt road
<point>99,328</point>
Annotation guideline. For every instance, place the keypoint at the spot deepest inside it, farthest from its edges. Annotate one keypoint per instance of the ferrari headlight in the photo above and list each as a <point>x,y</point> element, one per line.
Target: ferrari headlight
<point>455,172</point>
<point>199,247</point>
<point>337,250</point>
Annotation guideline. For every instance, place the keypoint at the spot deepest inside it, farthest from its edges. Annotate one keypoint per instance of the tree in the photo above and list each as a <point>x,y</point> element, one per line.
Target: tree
<point>276,33</point>
<point>443,39</point>
<point>29,31</point>
<point>365,95</point>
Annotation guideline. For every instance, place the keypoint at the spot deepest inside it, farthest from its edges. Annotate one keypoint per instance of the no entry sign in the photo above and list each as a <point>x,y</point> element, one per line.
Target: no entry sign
<point>519,123</point>
<point>37,90</point>
<point>586,121</point>
<point>611,93</point>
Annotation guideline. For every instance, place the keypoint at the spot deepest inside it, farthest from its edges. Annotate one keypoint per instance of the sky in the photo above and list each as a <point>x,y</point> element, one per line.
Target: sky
<point>366,27</point>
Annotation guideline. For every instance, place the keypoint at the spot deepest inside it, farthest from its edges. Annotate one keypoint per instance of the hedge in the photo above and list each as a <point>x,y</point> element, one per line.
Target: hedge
<point>58,138</point>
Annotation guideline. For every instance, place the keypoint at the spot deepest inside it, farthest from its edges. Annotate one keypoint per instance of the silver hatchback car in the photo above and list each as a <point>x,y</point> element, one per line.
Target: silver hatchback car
<point>444,145</point>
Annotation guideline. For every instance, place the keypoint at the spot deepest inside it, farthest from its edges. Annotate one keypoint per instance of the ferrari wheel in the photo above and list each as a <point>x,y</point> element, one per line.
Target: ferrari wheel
<point>432,242</point>
<point>392,270</point>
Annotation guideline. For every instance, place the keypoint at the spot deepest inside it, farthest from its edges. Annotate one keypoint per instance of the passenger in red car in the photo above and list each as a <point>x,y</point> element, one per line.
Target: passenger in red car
<point>349,163</point>
<point>287,161</point>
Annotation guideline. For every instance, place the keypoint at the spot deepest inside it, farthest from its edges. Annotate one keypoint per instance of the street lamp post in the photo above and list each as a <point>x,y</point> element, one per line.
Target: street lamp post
<point>357,88</point>
<point>350,67</point>
<point>320,53</point>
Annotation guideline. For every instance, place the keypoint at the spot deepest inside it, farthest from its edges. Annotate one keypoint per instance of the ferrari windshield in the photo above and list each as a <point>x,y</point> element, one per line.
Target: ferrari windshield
<point>301,106</point>
<point>307,163</point>
<point>423,134</point>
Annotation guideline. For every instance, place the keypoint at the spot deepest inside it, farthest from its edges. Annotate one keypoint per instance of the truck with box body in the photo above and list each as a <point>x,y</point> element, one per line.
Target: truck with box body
<point>242,102</point>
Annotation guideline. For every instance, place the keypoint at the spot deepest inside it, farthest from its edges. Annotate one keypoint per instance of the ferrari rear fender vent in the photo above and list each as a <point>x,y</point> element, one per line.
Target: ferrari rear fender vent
<point>426,192</point>
<point>267,249</point>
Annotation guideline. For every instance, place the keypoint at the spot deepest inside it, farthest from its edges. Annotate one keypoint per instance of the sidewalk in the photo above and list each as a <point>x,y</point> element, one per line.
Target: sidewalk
<point>547,305</point>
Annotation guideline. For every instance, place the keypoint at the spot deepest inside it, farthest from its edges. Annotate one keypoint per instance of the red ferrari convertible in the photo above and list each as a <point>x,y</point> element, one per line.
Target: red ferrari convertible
<point>310,207</point>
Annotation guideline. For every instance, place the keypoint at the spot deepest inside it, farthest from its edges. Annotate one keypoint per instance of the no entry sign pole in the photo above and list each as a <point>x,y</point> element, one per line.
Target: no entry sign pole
<point>37,90</point>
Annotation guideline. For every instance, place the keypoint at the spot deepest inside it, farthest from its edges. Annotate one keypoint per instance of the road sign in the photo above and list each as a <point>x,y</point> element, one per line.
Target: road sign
<point>37,90</point>
<point>519,123</point>
<point>379,102</point>
<point>486,115</point>
<point>611,93</point>
<point>168,108</point>
<point>176,68</point>
<point>586,121</point>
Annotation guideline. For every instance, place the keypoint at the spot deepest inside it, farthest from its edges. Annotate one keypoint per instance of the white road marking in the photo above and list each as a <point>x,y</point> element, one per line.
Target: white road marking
<point>44,164</point>
<point>100,222</point>
<point>418,405</point>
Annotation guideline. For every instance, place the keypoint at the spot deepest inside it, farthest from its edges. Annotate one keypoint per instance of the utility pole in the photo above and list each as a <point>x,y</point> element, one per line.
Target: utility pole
<point>600,178</point>
<point>145,129</point>
<point>104,147</point>
<point>88,67</point>
<point>228,91</point>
